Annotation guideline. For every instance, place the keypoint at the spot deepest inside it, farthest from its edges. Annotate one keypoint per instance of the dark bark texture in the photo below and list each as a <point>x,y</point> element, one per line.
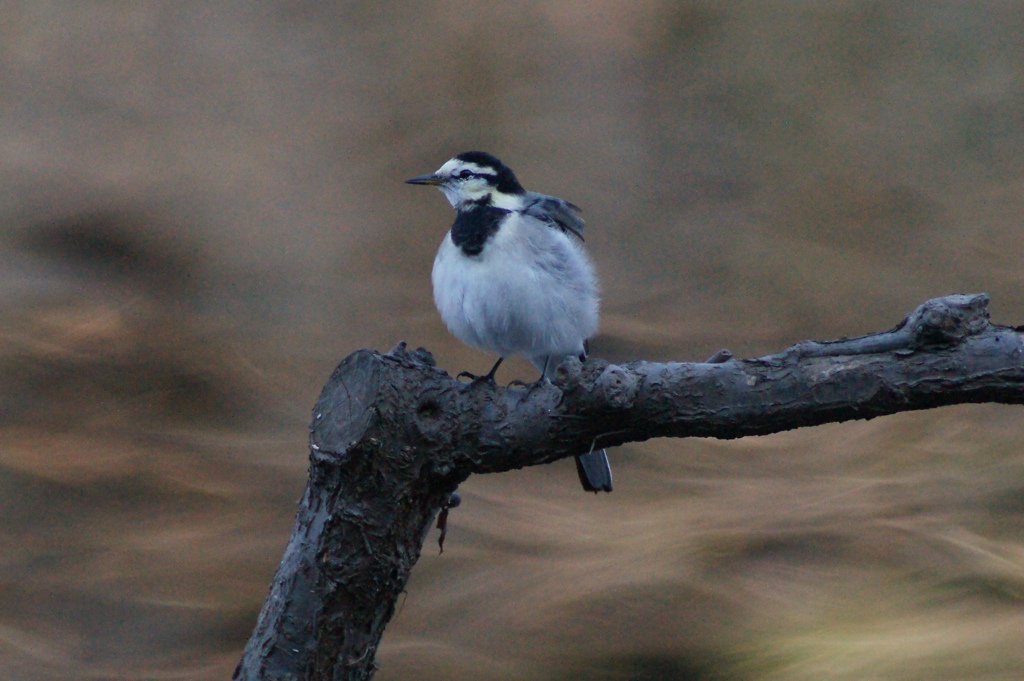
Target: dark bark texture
<point>393,436</point>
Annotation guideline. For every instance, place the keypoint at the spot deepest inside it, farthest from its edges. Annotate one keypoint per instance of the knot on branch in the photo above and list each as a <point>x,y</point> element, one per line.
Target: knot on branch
<point>613,384</point>
<point>568,374</point>
<point>618,386</point>
<point>948,320</point>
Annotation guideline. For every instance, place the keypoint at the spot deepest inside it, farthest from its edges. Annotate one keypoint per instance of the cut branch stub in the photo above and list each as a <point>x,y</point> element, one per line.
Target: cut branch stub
<point>372,495</point>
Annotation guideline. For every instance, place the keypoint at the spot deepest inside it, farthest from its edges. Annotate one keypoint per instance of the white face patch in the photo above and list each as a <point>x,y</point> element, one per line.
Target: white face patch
<point>475,186</point>
<point>465,182</point>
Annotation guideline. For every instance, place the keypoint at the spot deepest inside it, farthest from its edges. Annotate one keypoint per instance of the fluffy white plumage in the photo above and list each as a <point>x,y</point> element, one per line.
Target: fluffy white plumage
<point>531,291</point>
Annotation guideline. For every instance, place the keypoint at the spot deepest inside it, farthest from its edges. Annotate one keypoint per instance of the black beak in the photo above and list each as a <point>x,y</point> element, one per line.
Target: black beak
<point>429,178</point>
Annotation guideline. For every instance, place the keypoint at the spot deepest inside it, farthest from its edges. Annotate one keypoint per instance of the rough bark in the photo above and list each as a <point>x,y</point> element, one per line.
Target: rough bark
<point>393,436</point>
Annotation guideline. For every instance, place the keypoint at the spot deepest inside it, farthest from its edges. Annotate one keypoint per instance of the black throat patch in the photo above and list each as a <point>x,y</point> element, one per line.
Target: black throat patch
<point>474,225</point>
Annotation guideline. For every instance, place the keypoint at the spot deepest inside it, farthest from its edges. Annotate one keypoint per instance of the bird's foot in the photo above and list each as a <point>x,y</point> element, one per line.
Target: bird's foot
<point>485,378</point>
<point>530,387</point>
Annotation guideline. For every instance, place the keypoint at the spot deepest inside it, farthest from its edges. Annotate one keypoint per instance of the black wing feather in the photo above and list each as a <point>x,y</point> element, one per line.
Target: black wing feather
<point>556,212</point>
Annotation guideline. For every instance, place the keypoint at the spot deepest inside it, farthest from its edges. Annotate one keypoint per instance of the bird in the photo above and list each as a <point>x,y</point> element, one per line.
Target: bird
<point>512,277</point>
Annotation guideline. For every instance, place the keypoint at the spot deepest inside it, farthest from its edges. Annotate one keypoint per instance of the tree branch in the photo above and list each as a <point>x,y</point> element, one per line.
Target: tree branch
<point>393,436</point>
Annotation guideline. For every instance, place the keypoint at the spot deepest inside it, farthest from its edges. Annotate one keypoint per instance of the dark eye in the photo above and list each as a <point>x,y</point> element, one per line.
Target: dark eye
<point>465,173</point>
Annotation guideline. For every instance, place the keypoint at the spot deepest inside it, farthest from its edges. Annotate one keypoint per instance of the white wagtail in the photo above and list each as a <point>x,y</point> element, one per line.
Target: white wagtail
<point>512,277</point>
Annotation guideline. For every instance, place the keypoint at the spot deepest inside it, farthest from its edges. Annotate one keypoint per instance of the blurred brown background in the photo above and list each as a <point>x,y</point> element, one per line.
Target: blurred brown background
<point>202,212</point>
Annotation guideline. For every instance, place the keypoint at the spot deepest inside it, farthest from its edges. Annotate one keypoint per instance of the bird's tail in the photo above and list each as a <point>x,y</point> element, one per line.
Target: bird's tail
<point>595,471</point>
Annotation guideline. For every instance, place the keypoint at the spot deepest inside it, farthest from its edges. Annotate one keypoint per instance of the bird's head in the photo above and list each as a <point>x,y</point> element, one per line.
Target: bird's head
<point>475,177</point>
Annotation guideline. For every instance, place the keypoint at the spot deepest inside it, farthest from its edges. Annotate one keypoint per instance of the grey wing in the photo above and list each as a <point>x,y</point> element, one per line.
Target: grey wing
<point>556,212</point>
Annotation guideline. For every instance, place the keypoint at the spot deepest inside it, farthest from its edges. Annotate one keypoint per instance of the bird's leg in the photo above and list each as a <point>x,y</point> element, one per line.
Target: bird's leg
<point>488,377</point>
<point>494,369</point>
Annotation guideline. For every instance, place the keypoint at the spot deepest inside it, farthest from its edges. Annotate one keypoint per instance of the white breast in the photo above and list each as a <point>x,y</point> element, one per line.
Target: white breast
<point>532,291</point>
